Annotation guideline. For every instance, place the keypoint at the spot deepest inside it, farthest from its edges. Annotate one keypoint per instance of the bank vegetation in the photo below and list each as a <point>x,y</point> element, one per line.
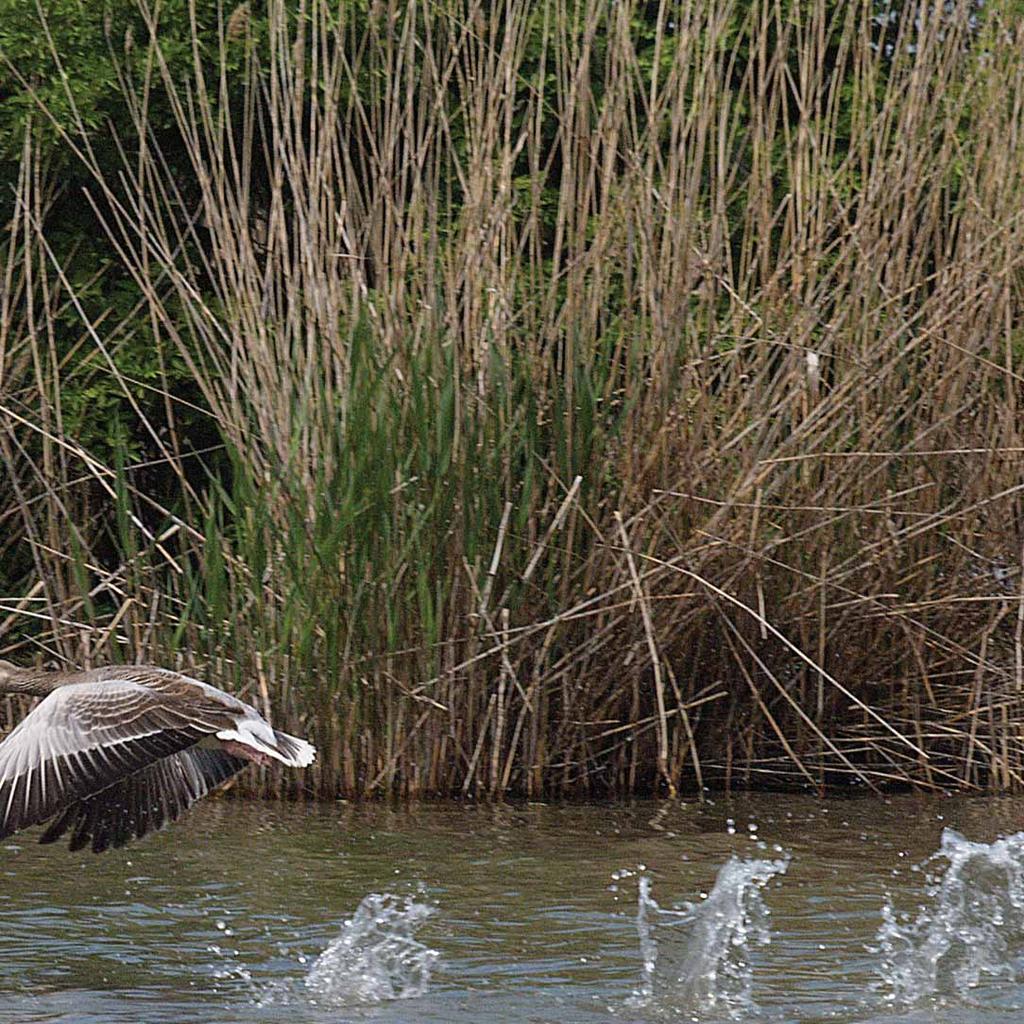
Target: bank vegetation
<point>559,399</point>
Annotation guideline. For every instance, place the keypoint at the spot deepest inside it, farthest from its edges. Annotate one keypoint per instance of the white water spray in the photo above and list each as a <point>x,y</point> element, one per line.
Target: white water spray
<point>969,929</point>
<point>697,958</point>
<point>377,956</point>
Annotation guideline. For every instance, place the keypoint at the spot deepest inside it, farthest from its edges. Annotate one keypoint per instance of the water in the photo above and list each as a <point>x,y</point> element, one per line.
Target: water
<point>703,964</point>
<point>965,942</point>
<point>775,909</point>
<point>377,957</point>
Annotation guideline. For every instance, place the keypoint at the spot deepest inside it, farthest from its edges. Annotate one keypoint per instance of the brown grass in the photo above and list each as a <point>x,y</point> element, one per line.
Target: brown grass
<point>594,429</point>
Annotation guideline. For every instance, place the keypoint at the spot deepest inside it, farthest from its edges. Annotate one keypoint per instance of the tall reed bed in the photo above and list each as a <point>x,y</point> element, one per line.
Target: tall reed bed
<point>607,398</point>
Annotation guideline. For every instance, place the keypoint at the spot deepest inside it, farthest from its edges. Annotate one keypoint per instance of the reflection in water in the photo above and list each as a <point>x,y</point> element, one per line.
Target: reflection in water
<point>697,958</point>
<point>377,955</point>
<point>969,928</point>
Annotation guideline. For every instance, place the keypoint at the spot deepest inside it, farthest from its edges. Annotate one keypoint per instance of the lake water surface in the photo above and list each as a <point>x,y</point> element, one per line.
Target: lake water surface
<point>773,908</point>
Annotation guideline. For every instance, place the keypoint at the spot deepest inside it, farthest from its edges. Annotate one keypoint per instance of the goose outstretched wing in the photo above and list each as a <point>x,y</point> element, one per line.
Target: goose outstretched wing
<point>85,737</point>
<point>145,801</point>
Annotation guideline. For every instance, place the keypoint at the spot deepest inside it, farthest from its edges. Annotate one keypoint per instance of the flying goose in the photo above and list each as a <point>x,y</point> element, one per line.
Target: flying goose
<point>113,753</point>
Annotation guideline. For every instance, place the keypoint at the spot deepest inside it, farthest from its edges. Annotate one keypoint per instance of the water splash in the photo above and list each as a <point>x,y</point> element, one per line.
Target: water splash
<point>697,958</point>
<point>377,956</point>
<point>969,929</point>
<point>645,905</point>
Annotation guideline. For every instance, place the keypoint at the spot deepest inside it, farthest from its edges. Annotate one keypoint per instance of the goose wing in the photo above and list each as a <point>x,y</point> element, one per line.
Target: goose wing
<point>85,737</point>
<point>145,801</point>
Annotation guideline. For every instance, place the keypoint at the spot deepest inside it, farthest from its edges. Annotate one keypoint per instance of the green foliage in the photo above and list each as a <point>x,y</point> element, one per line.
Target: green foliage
<point>63,73</point>
<point>72,58</point>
